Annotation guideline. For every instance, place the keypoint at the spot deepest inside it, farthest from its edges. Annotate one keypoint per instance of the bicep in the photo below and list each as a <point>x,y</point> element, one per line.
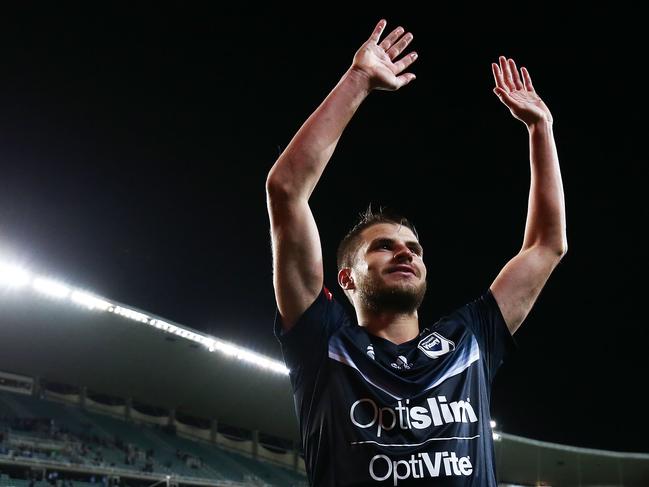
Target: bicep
<point>519,283</point>
<point>297,257</point>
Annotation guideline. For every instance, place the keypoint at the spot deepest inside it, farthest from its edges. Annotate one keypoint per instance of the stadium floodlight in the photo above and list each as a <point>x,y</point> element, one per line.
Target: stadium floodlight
<point>251,357</point>
<point>49,287</point>
<point>195,337</point>
<point>163,325</point>
<point>13,276</point>
<point>261,361</point>
<point>213,344</point>
<point>130,314</point>
<point>89,301</point>
<point>209,343</point>
<point>492,423</point>
<point>226,348</point>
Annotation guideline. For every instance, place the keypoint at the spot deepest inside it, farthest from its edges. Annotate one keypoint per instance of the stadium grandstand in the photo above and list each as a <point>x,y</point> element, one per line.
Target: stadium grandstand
<point>96,393</point>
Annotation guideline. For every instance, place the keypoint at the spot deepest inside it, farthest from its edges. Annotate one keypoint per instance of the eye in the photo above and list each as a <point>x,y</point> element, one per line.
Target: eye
<point>382,245</point>
<point>415,250</point>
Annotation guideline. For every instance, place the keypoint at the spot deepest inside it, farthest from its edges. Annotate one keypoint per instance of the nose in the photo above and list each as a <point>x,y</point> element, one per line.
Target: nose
<point>403,254</point>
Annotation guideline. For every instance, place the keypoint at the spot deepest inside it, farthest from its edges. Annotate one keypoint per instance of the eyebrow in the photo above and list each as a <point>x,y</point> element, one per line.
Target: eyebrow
<point>410,243</point>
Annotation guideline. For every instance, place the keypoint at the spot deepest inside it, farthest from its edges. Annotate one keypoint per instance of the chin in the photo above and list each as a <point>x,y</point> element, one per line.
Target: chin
<point>402,297</point>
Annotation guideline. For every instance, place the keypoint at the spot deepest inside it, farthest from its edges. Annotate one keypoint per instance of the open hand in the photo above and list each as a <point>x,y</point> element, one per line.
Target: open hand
<point>519,96</point>
<point>377,61</point>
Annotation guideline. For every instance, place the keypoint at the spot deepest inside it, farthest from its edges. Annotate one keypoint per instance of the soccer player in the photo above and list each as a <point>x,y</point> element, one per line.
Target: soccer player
<point>382,400</point>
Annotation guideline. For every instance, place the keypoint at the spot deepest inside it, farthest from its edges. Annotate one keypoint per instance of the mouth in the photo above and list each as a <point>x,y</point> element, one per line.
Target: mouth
<point>402,269</point>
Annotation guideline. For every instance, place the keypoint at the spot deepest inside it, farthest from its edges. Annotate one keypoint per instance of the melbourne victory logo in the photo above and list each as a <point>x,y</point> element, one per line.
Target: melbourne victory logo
<point>435,345</point>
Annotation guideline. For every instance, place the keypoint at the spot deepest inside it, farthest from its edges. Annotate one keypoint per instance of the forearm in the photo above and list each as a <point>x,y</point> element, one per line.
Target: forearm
<point>546,216</point>
<point>299,167</point>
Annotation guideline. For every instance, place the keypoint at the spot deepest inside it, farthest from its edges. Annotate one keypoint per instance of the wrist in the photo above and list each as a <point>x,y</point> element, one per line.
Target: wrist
<point>358,80</point>
<point>542,124</point>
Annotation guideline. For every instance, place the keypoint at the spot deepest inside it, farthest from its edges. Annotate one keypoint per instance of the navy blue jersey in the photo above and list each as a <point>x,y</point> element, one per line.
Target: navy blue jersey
<point>373,413</point>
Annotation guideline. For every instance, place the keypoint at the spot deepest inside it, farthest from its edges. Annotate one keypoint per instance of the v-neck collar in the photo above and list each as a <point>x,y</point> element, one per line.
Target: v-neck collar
<point>386,344</point>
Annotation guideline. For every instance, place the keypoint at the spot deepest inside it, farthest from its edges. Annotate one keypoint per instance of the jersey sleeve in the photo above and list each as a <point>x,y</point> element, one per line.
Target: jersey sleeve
<point>305,345</point>
<point>485,320</point>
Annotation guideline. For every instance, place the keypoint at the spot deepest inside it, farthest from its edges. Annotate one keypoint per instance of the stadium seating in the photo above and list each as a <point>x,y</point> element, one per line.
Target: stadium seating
<point>97,440</point>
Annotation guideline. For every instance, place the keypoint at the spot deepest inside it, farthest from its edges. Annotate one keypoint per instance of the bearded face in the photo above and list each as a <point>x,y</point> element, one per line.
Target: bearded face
<point>398,297</point>
<point>389,272</point>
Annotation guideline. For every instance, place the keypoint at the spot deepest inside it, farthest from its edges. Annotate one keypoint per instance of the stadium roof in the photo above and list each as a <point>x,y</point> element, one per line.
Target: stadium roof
<point>113,354</point>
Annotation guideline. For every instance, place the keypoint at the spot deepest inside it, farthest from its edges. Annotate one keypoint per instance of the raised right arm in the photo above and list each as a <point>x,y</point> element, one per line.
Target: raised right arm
<point>297,253</point>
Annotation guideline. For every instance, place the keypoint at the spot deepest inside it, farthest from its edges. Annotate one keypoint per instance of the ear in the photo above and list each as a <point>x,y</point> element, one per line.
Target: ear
<point>345,279</point>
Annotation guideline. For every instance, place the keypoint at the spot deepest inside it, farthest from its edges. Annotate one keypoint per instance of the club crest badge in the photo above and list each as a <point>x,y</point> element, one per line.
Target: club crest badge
<point>435,345</point>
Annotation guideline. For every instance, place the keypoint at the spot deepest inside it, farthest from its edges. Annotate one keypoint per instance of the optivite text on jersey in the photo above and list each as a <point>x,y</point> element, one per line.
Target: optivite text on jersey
<point>419,466</point>
<point>365,413</point>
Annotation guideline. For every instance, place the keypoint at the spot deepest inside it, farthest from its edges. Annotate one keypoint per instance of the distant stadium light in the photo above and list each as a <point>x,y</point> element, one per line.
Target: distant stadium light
<point>261,361</point>
<point>89,301</point>
<point>496,436</point>
<point>13,276</point>
<point>162,325</point>
<point>493,423</point>
<point>130,313</point>
<point>195,337</point>
<point>250,357</point>
<point>209,343</point>
<point>226,348</point>
<point>51,288</point>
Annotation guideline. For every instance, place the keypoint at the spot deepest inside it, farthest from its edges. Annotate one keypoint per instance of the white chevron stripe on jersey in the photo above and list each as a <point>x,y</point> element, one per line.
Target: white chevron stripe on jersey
<point>462,360</point>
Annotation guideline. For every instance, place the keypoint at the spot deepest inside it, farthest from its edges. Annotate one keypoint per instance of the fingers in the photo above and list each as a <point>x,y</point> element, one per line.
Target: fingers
<point>506,73</point>
<point>391,38</point>
<point>507,77</point>
<point>527,80</point>
<point>503,95</point>
<point>498,77</point>
<point>395,42</point>
<point>378,30</point>
<point>404,79</point>
<point>514,71</point>
<point>400,45</point>
<point>403,63</point>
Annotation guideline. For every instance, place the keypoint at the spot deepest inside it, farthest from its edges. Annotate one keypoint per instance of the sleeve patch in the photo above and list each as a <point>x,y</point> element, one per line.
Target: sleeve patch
<point>328,294</point>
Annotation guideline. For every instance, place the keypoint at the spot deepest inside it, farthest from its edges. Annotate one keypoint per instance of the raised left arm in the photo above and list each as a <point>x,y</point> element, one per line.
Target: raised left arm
<point>519,283</point>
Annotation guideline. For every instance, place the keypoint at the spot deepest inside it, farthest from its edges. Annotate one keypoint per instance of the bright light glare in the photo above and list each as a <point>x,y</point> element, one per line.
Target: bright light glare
<point>89,301</point>
<point>496,436</point>
<point>493,423</point>
<point>131,314</point>
<point>250,357</point>
<point>209,343</point>
<point>13,276</point>
<point>164,326</point>
<point>51,288</point>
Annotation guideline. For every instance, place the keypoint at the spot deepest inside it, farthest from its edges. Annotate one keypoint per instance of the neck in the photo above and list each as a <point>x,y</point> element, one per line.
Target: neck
<point>395,327</point>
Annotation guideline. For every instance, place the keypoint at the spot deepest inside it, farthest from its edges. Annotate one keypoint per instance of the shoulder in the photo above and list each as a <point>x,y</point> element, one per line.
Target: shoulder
<point>324,315</point>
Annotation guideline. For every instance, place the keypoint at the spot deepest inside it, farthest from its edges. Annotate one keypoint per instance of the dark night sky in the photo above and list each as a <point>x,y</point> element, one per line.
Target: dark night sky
<point>134,148</point>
